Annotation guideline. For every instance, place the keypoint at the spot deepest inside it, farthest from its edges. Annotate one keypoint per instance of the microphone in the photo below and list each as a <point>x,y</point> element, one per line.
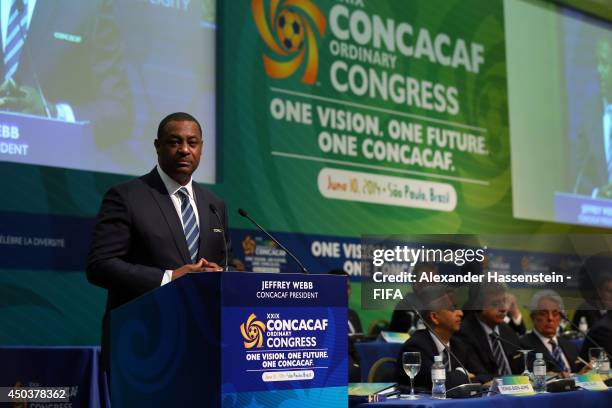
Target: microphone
<point>213,209</point>
<point>518,346</point>
<point>245,215</point>
<point>450,353</point>
<point>564,316</point>
<point>468,390</point>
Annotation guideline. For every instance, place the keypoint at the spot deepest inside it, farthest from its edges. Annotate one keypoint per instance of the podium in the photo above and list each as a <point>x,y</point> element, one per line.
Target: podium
<point>233,340</point>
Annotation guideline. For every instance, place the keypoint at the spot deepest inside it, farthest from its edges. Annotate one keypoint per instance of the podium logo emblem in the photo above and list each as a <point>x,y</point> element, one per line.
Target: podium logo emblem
<point>289,35</point>
<point>253,332</point>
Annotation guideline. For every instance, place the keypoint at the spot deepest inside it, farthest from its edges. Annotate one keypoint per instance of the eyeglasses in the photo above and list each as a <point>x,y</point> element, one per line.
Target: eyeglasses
<point>545,313</point>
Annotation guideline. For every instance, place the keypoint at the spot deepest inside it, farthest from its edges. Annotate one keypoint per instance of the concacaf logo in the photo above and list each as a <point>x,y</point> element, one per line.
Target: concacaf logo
<point>289,35</point>
<point>253,332</point>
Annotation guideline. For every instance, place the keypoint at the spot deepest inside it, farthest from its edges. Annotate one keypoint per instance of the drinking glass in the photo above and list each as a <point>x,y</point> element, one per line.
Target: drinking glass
<point>594,353</point>
<point>411,361</point>
<point>525,354</point>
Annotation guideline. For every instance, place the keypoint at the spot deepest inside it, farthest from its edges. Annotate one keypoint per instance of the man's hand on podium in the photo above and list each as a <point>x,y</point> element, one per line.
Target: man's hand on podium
<point>22,98</point>
<point>202,266</point>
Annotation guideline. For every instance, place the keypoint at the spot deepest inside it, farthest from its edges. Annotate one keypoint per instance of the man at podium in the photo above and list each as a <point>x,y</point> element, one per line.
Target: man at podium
<point>159,227</point>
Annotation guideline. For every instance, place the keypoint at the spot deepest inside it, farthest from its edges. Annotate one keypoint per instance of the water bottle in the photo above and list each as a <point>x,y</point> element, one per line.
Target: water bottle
<point>583,326</point>
<point>438,378</point>
<point>603,365</point>
<point>539,373</point>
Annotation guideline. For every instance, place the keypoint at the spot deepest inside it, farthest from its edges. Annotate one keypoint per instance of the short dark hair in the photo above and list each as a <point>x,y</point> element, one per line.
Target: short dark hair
<point>179,117</point>
<point>479,295</point>
<point>432,299</point>
<point>338,272</point>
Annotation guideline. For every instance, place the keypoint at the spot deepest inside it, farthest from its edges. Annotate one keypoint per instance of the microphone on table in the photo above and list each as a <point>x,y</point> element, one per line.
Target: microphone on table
<point>245,215</point>
<point>518,346</point>
<point>554,384</point>
<point>564,316</point>
<point>461,391</point>
<point>450,353</point>
<point>213,209</point>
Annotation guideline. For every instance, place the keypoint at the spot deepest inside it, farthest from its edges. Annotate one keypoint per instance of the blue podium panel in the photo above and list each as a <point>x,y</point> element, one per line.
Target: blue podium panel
<point>233,340</point>
<point>38,140</point>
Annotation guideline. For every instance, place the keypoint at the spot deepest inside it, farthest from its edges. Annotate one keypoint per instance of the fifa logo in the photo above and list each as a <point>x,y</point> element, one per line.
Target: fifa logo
<point>289,35</point>
<point>252,332</point>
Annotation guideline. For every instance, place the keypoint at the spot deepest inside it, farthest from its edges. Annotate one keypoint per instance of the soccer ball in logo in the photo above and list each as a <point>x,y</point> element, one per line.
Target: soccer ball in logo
<point>290,30</point>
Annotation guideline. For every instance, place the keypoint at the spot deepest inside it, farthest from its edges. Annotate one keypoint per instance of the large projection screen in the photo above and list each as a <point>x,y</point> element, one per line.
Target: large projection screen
<point>92,79</point>
<point>559,85</point>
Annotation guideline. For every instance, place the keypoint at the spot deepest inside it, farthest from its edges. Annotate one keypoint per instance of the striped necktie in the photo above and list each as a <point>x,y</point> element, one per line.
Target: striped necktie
<point>556,353</point>
<point>446,360</point>
<point>15,37</point>
<point>498,354</point>
<point>190,225</point>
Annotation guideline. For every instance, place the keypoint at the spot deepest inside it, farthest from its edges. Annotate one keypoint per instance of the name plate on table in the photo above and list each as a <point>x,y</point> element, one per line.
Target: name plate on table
<point>518,385</point>
<point>591,382</point>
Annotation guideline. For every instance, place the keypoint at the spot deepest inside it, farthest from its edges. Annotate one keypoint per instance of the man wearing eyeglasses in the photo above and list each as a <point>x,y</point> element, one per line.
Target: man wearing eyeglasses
<point>560,354</point>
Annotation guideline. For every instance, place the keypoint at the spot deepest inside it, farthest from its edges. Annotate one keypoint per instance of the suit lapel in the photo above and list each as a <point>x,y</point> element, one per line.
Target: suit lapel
<point>432,344</point>
<point>163,200</point>
<point>39,35</point>
<point>483,341</point>
<point>204,214</point>
<point>541,348</point>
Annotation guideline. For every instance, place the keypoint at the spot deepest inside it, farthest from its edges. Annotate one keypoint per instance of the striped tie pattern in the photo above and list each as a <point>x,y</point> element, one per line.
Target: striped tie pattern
<point>15,37</point>
<point>446,360</point>
<point>190,225</point>
<point>498,354</point>
<point>556,353</point>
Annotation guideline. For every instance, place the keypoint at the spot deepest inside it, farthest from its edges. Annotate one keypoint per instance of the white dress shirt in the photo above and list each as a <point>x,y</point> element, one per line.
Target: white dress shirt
<point>440,347</point>
<point>173,188</point>
<point>546,342</point>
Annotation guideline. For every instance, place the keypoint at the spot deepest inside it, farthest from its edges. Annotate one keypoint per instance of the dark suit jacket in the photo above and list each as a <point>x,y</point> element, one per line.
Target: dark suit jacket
<point>601,332</point>
<point>422,342</point>
<point>519,329</point>
<point>88,74</point>
<point>474,336</point>
<point>138,235</point>
<point>532,342</point>
<point>589,311</point>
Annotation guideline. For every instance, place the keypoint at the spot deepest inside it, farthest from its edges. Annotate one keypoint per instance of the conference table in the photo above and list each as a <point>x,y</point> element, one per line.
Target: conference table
<point>574,399</point>
<point>371,351</point>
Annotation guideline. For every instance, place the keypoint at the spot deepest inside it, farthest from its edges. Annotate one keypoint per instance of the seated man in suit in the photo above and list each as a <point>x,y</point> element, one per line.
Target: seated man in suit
<point>441,313</point>
<point>489,339</point>
<point>595,283</point>
<point>560,354</point>
<point>600,333</point>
